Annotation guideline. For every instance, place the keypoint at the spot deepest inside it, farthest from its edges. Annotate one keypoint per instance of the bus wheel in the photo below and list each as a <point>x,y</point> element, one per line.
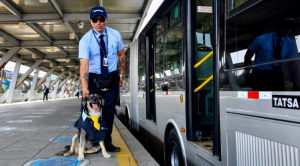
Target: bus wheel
<point>127,120</point>
<point>174,152</point>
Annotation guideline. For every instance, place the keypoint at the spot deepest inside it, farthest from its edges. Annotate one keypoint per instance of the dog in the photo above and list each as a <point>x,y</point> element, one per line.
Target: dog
<point>80,144</point>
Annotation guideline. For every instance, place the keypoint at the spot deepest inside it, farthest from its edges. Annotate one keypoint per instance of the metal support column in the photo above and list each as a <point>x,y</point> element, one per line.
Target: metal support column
<point>48,81</point>
<point>46,76</point>
<point>28,72</point>
<point>10,54</point>
<point>57,78</point>
<point>63,83</point>
<point>13,82</point>
<point>55,90</point>
<point>34,81</point>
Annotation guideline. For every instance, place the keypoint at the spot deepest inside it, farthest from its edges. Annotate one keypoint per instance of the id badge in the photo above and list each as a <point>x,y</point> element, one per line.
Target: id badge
<point>105,62</point>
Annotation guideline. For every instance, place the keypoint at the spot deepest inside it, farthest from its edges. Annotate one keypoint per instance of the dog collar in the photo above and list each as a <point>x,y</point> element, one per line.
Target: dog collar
<point>84,115</point>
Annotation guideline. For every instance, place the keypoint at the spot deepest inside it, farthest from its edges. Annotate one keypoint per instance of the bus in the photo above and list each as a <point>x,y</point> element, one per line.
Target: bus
<point>216,83</point>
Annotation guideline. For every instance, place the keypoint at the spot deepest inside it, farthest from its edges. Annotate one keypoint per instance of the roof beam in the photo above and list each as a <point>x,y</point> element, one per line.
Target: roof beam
<point>54,4</point>
<point>10,38</point>
<point>67,55</point>
<point>39,32</point>
<point>36,52</point>
<point>33,18</point>
<point>71,29</point>
<point>63,51</point>
<point>9,7</point>
<point>62,64</point>
<point>51,57</point>
<point>35,44</point>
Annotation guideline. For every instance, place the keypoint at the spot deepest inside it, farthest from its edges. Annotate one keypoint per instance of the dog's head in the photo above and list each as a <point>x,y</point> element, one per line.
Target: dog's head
<point>93,104</point>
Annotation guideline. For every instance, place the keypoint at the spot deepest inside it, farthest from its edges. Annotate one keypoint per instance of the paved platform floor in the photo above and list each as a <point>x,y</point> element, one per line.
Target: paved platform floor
<point>32,132</point>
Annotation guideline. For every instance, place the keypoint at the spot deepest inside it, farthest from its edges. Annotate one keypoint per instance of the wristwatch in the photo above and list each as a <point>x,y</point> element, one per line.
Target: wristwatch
<point>121,75</point>
<point>84,89</point>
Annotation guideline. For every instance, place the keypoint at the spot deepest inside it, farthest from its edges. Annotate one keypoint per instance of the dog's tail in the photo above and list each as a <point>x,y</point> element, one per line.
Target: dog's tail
<point>61,153</point>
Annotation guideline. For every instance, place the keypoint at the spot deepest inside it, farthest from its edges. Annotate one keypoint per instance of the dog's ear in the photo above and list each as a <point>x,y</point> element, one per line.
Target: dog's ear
<point>84,101</point>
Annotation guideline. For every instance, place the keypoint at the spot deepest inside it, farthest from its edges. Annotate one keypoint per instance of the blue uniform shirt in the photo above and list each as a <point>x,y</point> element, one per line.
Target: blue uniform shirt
<point>264,47</point>
<point>89,49</point>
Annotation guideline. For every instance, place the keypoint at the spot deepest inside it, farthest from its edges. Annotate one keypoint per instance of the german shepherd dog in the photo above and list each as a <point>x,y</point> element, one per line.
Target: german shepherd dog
<point>93,107</point>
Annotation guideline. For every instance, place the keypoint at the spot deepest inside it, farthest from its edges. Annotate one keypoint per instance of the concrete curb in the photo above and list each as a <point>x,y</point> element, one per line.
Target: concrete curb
<point>140,154</point>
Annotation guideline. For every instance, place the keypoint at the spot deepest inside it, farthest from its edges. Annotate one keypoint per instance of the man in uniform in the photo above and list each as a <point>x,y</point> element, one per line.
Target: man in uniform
<point>99,49</point>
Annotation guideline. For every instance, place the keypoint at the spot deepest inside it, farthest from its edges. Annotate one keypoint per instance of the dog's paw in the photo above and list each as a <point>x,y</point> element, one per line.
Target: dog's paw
<point>106,155</point>
<point>80,158</point>
<point>69,153</point>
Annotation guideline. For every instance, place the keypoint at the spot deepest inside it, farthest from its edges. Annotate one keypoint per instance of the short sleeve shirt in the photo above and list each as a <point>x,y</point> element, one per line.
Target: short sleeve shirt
<point>89,49</point>
<point>264,47</point>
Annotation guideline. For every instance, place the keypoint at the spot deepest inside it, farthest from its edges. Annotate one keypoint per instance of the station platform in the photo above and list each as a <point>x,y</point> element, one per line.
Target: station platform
<point>32,132</point>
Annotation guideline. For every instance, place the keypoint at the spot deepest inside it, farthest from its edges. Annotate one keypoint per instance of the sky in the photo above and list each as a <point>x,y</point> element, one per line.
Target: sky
<point>153,7</point>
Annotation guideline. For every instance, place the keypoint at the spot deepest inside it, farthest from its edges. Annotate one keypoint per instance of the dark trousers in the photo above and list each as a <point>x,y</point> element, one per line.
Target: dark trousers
<point>45,95</point>
<point>110,101</point>
<point>267,80</point>
<point>77,94</point>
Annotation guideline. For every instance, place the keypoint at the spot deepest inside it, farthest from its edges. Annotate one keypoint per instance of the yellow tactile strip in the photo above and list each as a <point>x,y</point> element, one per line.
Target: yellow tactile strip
<point>125,157</point>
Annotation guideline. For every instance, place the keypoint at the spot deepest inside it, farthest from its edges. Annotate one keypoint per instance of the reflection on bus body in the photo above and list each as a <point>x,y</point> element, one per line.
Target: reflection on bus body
<point>267,48</point>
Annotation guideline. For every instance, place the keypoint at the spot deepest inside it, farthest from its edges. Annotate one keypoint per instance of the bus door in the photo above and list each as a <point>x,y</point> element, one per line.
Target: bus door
<point>150,76</point>
<point>202,127</point>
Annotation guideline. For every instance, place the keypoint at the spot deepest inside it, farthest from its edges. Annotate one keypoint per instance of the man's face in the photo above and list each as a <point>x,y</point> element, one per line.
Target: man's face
<point>99,26</point>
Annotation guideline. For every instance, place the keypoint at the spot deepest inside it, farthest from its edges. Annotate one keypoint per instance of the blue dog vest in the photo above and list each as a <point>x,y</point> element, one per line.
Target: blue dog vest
<point>92,134</point>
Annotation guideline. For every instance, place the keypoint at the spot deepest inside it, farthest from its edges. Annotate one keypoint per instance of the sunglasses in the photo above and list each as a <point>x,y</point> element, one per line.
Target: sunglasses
<point>95,19</point>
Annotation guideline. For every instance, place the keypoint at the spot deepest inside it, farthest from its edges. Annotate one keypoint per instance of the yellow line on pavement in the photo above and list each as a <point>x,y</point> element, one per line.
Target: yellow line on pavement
<point>125,157</point>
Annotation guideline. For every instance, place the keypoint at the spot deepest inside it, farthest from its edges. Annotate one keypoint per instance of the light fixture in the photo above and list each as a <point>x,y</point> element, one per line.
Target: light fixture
<point>76,67</point>
<point>76,75</point>
<point>1,39</point>
<point>70,72</point>
<point>43,1</point>
<point>62,69</point>
<point>33,55</point>
<point>51,64</point>
<point>72,35</point>
<point>68,60</point>
<point>21,25</point>
<point>51,48</point>
<point>80,24</point>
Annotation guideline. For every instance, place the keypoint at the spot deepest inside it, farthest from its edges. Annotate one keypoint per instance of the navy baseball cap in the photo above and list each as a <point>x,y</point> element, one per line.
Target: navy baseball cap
<point>98,11</point>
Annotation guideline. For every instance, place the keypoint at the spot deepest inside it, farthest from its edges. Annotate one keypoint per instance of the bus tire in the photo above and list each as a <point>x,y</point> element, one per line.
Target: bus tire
<point>174,151</point>
<point>127,120</point>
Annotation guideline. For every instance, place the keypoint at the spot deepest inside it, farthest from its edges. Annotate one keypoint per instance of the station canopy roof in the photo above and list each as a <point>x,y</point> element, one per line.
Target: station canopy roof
<point>50,30</point>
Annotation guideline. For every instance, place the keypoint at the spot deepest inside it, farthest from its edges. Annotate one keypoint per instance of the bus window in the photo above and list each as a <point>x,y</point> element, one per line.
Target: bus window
<point>159,56</point>
<point>259,39</point>
<point>126,72</point>
<point>204,72</point>
<point>173,15</point>
<point>173,51</point>
<point>235,3</point>
<point>141,65</point>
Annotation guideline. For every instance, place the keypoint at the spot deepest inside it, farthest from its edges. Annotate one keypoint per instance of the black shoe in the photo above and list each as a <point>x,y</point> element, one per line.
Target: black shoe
<point>68,147</point>
<point>111,148</point>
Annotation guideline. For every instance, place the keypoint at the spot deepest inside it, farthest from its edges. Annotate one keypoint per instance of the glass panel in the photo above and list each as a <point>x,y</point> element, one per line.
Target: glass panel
<point>159,55</point>
<point>204,30</point>
<point>126,70</point>
<point>159,28</point>
<point>235,3</point>
<point>173,15</point>
<point>262,35</point>
<point>173,51</point>
<point>142,61</point>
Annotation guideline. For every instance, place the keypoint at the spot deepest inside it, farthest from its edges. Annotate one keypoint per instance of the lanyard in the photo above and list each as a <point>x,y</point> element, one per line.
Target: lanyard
<point>101,49</point>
